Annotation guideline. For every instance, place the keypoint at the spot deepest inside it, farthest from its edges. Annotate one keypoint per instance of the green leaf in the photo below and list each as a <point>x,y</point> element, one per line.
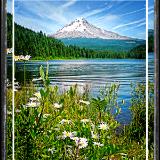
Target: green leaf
<point>42,73</point>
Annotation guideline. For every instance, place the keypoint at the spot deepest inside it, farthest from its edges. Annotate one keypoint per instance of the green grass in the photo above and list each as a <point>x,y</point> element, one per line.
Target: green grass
<point>40,132</point>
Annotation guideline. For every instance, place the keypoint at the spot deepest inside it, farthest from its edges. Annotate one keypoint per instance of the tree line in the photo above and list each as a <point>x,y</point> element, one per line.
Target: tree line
<point>40,46</point>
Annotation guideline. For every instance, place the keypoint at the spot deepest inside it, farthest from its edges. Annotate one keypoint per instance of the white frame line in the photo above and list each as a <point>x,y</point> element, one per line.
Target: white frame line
<point>147,80</point>
<point>13,75</point>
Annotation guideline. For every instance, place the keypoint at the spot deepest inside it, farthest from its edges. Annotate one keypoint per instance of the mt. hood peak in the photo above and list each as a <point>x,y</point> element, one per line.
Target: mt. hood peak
<point>81,28</point>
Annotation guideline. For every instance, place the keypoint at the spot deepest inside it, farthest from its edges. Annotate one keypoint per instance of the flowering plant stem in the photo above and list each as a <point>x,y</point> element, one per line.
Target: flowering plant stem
<point>77,152</point>
<point>24,74</point>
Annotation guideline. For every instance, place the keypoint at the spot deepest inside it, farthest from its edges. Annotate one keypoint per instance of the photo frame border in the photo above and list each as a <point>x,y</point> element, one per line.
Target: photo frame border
<point>3,72</point>
<point>157,85</point>
<point>3,80</point>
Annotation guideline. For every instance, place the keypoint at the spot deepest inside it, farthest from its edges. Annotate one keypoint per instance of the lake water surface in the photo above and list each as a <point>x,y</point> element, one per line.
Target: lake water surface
<point>96,73</point>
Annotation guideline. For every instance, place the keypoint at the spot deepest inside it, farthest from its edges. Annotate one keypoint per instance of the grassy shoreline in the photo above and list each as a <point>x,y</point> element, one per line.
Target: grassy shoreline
<point>70,125</point>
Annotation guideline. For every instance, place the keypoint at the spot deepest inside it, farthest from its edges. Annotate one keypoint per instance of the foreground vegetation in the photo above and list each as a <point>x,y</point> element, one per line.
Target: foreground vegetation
<point>76,126</point>
<point>40,46</point>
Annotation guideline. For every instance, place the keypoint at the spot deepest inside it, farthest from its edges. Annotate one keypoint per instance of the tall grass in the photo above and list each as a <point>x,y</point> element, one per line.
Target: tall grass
<point>74,126</point>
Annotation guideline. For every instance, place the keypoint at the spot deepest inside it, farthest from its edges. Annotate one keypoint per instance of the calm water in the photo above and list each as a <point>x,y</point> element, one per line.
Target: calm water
<point>103,44</point>
<point>95,73</point>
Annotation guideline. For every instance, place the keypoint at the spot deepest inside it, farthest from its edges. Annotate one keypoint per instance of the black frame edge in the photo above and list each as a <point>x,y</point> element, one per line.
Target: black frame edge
<point>3,70</point>
<point>157,88</point>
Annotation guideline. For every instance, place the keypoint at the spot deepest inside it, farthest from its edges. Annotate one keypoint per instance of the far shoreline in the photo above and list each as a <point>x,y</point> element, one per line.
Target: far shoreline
<point>67,59</point>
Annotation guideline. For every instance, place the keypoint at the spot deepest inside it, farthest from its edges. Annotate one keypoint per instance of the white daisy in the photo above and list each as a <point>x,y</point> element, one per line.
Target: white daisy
<point>103,126</point>
<point>98,144</point>
<point>85,102</point>
<point>32,104</point>
<point>85,120</point>
<point>67,134</point>
<point>33,99</point>
<point>65,121</point>
<point>81,142</point>
<point>57,106</point>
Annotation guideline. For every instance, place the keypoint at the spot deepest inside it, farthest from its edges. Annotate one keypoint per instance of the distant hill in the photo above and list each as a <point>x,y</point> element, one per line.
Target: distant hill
<point>40,46</point>
<point>150,40</point>
<point>104,44</point>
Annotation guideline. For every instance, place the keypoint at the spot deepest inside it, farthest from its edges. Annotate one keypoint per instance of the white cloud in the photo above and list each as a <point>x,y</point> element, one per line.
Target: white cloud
<point>68,4</point>
<point>110,17</point>
<point>128,24</point>
<point>108,5</point>
<point>48,11</point>
<point>93,12</point>
<point>136,11</point>
<point>134,27</point>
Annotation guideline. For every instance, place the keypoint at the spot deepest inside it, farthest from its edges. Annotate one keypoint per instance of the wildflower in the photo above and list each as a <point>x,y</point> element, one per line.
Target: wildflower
<point>67,134</point>
<point>32,104</point>
<point>85,102</point>
<point>98,144</point>
<point>93,126</point>
<point>85,120</point>
<point>33,99</point>
<point>51,150</point>
<point>46,115</point>
<point>103,126</point>
<point>81,142</point>
<point>57,106</point>
<point>94,136</point>
<point>18,111</point>
<point>65,121</point>
<point>38,95</point>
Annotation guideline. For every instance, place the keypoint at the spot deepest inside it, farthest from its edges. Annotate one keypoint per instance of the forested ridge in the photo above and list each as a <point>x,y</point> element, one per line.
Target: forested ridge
<point>150,40</point>
<point>40,46</point>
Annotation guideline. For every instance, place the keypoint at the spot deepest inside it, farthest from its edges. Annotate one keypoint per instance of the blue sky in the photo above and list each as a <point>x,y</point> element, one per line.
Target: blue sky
<point>120,16</point>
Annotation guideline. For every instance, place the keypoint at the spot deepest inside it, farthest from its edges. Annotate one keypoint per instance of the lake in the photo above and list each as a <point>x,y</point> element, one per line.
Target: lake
<point>96,73</point>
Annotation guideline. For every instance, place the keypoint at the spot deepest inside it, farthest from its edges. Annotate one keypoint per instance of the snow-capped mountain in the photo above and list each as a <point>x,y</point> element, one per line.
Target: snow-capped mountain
<point>81,28</point>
